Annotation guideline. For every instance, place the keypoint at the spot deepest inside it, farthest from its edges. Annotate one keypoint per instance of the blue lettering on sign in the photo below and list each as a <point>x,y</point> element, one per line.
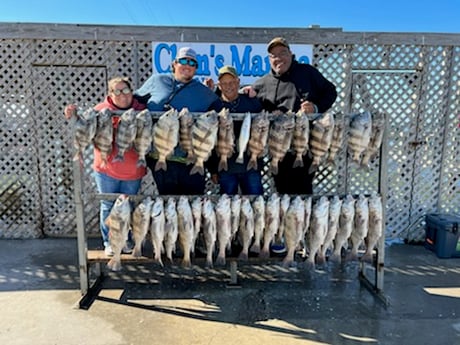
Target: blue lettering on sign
<point>170,50</point>
<point>219,62</point>
<point>203,65</point>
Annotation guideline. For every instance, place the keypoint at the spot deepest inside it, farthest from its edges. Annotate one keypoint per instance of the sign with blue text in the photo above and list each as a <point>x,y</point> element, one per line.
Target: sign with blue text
<point>250,60</point>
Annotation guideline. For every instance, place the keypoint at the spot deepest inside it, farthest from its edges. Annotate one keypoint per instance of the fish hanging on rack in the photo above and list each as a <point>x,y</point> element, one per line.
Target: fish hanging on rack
<point>246,228</point>
<point>375,226</point>
<point>103,139</point>
<point>140,224</point>
<point>118,221</point>
<point>225,139</point>
<point>337,140</point>
<point>157,229</point>
<point>186,229</point>
<point>279,139</point>
<point>346,224</point>
<point>171,228</point>
<point>243,138</point>
<point>294,224</point>
<point>258,205</point>
<point>359,135</point>
<point>224,227</point>
<point>257,145</point>
<point>209,230</point>
<point>165,137</point>
<point>185,134</point>
<point>84,132</point>
<point>204,137</point>
<point>272,222</point>
<point>300,138</point>
<point>320,139</point>
<point>361,226</point>
<point>378,127</point>
<point>318,231</point>
<point>335,206</point>
<point>143,139</point>
<point>126,133</point>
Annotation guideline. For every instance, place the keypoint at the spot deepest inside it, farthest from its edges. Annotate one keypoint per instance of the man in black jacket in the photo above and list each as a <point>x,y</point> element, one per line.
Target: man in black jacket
<point>292,86</point>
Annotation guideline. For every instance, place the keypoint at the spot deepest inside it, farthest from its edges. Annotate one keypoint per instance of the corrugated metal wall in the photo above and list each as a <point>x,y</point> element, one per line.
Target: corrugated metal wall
<point>414,81</point>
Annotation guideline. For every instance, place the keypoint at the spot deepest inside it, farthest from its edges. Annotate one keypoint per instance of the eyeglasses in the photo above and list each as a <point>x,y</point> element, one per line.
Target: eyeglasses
<point>125,91</point>
<point>185,61</point>
<point>281,55</point>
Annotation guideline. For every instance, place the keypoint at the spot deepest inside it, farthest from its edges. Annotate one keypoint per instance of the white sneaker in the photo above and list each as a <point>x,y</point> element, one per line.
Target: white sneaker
<point>108,250</point>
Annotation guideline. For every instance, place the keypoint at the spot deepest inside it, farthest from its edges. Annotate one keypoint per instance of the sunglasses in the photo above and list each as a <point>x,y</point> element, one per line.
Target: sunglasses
<point>185,61</point>
<point>125,91</point>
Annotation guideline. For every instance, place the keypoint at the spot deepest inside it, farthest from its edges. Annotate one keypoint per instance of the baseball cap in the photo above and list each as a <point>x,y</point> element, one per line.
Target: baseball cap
<point>186,52</point>
<point>227,70</point>
<point>277,41</point>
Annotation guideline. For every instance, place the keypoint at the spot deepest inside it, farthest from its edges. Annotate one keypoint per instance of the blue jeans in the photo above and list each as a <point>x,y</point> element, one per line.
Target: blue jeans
<point>107,184</point>
<point>250,182</point>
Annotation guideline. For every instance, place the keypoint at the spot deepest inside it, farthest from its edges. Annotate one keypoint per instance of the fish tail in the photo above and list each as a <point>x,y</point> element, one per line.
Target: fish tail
<point>222,165</point>
<point>161,165</point>
<point>312,168</point>
<point>252,164</point>
<point>274,168</point>
<point>141,162</point>
<point>298,162</point>
<point>197,169</point>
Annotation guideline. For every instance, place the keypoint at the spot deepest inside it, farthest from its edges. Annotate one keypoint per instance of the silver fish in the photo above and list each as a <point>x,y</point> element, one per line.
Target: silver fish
<point>186,228</point>
<point>224,227</point>
<point>171,228</point>
<point>257,145</point>
<point>258,206</point>
<point>204,137</point>
<point>235,214</point>
<point>318,231</point>
<point>140,224</point>
<point>272,222</point>
<point>361,228</point>
<point>225,139</point>
<point>157,229</point>
<point>320,139</point>
<point>337,138</point>
<point>333,224</point>
<point>284,205</point>
<point>118,222</point>
<point>185,133</point>
<point>246,230</point>
<point>84,131</point>
<point>346,224</point>
<point>165,137</point>
<point>359,135</point>
<point>279,139</point>
<point>306,228</point>
<point>294,224</point>
<point>103,139</point>
<point>300,138</point>
<point>209,230</point>
<point>143,140</point>
<point>197,207</point>
<point>375,226</point>
<point>243,139</point>
<point>378,127</point>
<point>126,133</point>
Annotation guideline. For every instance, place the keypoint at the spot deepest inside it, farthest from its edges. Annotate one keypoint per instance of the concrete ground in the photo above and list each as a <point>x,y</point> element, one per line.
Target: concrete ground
<point>145,304</point>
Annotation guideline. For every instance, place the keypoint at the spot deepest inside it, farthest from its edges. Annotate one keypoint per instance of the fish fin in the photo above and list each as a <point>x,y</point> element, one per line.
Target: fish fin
<point>252,164</point>
<point>274,168</point>
<point>298,162</point>
<point>197,169</point>
<point>161,165</point>
<point>255,248</point>
<point>141,162</point>
<point>222,165</point>
<point>220,261</point>
<point>312,168</point>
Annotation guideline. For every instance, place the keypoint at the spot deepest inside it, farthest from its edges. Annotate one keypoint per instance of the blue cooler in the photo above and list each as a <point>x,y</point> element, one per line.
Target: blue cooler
<point>442,234</point>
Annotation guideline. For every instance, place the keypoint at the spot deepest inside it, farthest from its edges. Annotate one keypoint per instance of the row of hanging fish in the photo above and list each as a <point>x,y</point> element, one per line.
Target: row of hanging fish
<point>318,228</point>
<point>321,137</point>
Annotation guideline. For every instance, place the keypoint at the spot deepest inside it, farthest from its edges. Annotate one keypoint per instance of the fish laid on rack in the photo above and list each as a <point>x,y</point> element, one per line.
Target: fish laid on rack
<point>294,224</point>
<point>185,134</point>
<point>378,127</point>
<point>300,138</point>
<point>235,214</point>
<point>85,130</point>
<point>165,137</point>
<point>346,224</point>
<point>186,228</point>
<point>225,139</point>
<point>279,139</point>
<point>359,135</point>
<point>126,133</point>
<point>361,226</point>
<point>258,205</point>
<point>337,139</point>
<point>209,230</point>
<point>272,222</point>
<point>246,228</point>
<point>157,229</point>
<point>171,228</point>
<point>243,138</point>
<point>204,137</point>
<point>118,222</point>
<point>143,139</point>
<point>306,227</point>
<point>257,145</point>
<point>318,231</point>
<point>375,226</point>
<point>140,224</point>
<point>103,139</point>
<point>197,214</point>
<point>320,139</point>
<point>224,227</point>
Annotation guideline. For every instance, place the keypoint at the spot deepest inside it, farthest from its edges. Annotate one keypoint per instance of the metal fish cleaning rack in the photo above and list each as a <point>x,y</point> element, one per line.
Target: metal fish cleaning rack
<point>371,275</point>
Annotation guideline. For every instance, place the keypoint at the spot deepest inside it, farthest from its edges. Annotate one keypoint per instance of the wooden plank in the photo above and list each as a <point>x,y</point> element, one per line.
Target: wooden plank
<point>99,256</point>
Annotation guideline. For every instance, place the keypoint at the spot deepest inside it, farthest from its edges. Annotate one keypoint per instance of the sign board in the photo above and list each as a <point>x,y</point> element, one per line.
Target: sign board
<point>250,60</point>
